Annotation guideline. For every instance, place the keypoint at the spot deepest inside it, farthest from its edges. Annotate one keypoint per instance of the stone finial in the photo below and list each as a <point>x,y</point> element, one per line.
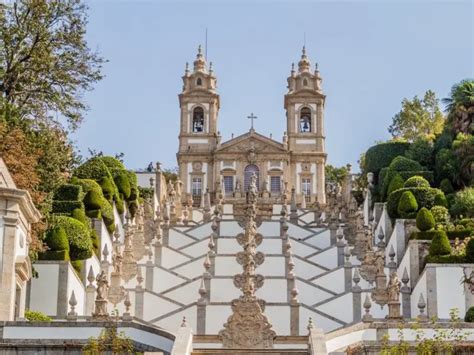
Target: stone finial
<point>347,256</point>
<point>105,253</point>
<point>90,277</point>
<point>405,277</point>
<point>422,317</point>
<point>207,263</point>
<point>310,325</point>
<point>381,237</point>
<point>294,295</point>
<point>367,305</point>
<point>340,236</point>
<point>356,279</point>
<point>291,267</point>
<point>140,278</point>
<point>184,323</point>
<point>202,291</point>
<point>72,315</point>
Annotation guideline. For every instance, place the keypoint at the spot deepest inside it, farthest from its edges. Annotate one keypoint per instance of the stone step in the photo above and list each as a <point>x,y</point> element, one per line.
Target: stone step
<point>250,352</point>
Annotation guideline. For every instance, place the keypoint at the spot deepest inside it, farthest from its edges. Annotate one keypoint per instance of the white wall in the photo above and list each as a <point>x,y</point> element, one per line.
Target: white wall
<point>44,289</point>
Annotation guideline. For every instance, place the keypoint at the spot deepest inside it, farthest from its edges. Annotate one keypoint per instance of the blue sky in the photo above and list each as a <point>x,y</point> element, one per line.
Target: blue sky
<point>371,55</point>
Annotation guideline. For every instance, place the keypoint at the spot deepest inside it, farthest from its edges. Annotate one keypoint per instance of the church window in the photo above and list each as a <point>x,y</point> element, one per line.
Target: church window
<point>248,172</point>
<point>305,82</point>
<point>305,120</point>
<point>275,184</point>
<point>306,184</point>
<point>228,185</point>
<point>199,82</point>
<point>198,119</point>
<point>196,187</point>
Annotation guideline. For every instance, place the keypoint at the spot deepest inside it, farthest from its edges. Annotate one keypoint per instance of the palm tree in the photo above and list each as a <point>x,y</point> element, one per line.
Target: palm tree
<point>460,107</point>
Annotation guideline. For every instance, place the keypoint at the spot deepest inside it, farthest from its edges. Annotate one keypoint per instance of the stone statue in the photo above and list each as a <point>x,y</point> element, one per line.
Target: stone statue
<point>117,263</point>
<point>102,285</point>
<point>393,288</point>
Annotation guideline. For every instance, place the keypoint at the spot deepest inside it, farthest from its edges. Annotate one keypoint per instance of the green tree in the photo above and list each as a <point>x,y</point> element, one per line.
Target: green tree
<point>418,118</point>
<point>336,175</point>
<point>460,107</point>
<point>45,63</point>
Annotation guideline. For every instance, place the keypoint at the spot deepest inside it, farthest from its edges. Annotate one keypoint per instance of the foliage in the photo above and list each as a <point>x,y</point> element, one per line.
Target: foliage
<point>94,200</point>
<point>463,148</point>
<point>56,239</point>
<point>469,317</point>
<point>425,197</point>
<point>424,220</point>
<point>77,266</point>
<point>66,206</point>
<point>80,215</point>
<point>440,214</point>
<point>146,192</point>
<point>418,119</point>
<point>171,174</point>
<point>46,64</point>
<point>80,244</point>
<point>463,204</point>
<point>336,175</point>
<point>36,316</point>
<point>460,107</point>
<point>68,192</point>
<point>123,184</point>
<point>108,188</point>
<point>446,165</point>
<point>381,155</point>
<point>94,169</point>
<point>440,245</point>
<point>112,162</point>
<point>109,341</point>
<point>402,163</point>
<point>395,184</point>
<point>470,251</point>
<point>440,200</point>
<point>426,235</point>
<point>407,206</point>
<point>421,150</point>
<point>417,181</point>
<point>446,186</point>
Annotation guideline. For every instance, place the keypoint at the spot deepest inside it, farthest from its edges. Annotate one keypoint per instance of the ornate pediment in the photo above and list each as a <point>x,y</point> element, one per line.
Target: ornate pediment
<point>251,143</point>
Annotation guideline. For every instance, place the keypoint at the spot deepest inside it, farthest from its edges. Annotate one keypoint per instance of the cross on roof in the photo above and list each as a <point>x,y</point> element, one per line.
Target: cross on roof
<point>252,117</point>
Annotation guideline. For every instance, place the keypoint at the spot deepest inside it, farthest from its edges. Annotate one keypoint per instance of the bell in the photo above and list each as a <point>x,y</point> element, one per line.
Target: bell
<point>305,126</point>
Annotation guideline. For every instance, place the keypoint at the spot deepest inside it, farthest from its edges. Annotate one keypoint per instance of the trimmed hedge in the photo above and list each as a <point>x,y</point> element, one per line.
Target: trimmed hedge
<point>469,317</point>
<point>445,259</point>
<point>35,316</point>
<point>95,242</point>
<point>112,163</point>
<point>133,208</point>
<point>66,206</point>
<point>470,251</point>
<point>122,182</point>
<point>381,155</point>
<point>94,214</point>
<point>460,233</point>
<point>395,184</point>
<point>68,192</point>
<point>80,243</point>
<point>119,204</point>
<point>440,245</point>
<point>446,186</point>
<point>108,188</point>
<point>440,214</point>
<point>402,163</point>
<point>77,265</point>
<point>425,197</point>
<point>405,175</point>
<point>87,185</point>
<point>424,220</point>
<point>80,215</point>
<point>93,200</point>
<point>417,181</point>
<point>407,206</point>
<point>56,239</point>
<point>94,169</point>
<point>427,235</point>
<point>54,255</point>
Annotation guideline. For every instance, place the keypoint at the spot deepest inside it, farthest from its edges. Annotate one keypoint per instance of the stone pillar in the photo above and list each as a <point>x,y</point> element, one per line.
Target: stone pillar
<point>347,270</point>
<point>333,231</point>
<point>293,208</point>
<point>406,291</point>
<point>104,263</point>
<point>321,182</point>
<point>139,301</point>
<point>149,275</point>
<point>340,244</point>
<point>201,309</point>
<point>166,234</point>
<point>294,318</point>
<point>158,252</point>
<point>356,297</point>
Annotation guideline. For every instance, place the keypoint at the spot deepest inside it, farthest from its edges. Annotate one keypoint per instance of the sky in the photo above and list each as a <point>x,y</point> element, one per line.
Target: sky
<point>371,55</point>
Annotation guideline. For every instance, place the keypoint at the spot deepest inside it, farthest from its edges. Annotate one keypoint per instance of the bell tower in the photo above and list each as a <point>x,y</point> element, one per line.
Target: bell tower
<point>304,105</point>
<point>198,136</point>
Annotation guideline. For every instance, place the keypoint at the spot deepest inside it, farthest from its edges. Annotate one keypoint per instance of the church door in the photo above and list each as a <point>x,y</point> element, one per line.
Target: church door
<point>249,170</point>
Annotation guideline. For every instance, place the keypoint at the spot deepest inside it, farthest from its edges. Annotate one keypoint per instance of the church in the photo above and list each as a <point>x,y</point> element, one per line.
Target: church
<point>208,164</point>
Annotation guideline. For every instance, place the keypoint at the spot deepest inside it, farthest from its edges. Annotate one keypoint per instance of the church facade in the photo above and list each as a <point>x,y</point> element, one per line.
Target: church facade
<point>208,164</point>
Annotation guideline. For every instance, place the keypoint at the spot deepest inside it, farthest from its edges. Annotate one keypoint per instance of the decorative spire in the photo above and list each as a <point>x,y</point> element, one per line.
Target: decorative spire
<point>200,62</point>
<point>304,64</point>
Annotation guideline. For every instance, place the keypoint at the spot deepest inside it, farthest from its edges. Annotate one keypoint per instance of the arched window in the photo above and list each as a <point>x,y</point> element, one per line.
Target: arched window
<point>305,120</point>
<point>198,120</point>
<point>199,82</point>
<point>305,82</point>
<point>248,172</point>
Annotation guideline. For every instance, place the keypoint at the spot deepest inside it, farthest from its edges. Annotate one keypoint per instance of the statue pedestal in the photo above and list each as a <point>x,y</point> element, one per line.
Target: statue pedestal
<point>100,312</point>
<point>394,310</point>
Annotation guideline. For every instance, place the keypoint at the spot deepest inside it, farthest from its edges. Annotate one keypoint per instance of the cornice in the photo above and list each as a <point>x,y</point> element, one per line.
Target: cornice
<point>23,198</point>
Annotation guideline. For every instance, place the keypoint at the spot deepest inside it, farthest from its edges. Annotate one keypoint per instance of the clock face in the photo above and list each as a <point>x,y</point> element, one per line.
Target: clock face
<point>197,166</point>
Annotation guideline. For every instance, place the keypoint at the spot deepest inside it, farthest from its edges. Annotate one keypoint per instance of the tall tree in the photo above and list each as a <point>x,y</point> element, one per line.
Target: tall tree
<point>460,107</point>
<point>418,118</point>
<point>45,63</point>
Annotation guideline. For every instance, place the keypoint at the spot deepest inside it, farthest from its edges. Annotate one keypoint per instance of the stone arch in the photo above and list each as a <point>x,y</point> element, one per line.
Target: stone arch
<point>305,120</point>
<point>248,171</point>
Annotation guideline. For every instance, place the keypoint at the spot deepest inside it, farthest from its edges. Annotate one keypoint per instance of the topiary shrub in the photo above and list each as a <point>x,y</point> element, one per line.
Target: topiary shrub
<point>87,184</point>
<point>94,214</point>
<point>95,242</point>
<point>440,200</point>
<point>80,215</point>
<point>78,235</point>
<point>440,244</point>
<point>446,186</point>
<point>77,265</point>
<point>440,214</point>
<point>112,163</point>
<point>427,235</point>
<point>68,192</point>
<point>133,194</point>
<point>66,206</point>
<point>463,203</point>
<point>395,184</point>
<point>132,178</point>
<point>119,204</point>
<point>108,188</point>
<point>470,251</point>
<point>122,182</point>
<point>94,169</point>
<point>57,242</point>
<point>133,208</point>
<point>425,197</point>
<point>381,155</point>
<point>469,317</point>
<point>93,200</point>
<point>407,206</point>
<point>35,316</point>
<point>417,181</point>
<point>402,163</point>
<point>424,220</point>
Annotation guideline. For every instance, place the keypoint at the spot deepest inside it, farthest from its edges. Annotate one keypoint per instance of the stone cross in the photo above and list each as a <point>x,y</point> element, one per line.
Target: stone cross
<point>252,117</point>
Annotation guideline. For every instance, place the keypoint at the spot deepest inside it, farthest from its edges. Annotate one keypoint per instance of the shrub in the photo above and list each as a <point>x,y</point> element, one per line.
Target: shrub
<point>402,163</point>
<point>424,219</point>
<point>35,316</point>
<point>460,233</point>
<point>122,182</point>
<point>94,169</point>
<point>112,163</point>
<point>381,155</point>
<point>133,194</point>
<point>95,242</point>
<point>445,259</point>
<point>54,255</point>
<point>77,265</point>
<point>421,150</point>
<point>469,317</point>
<point>407,206</point>
<point>440,214</point>
<point>427,235</point>
<point>93,200</point>
<point>470,251</point>
<point>446,186</point>
<point>107,213</point>
<point>440,244</point>
<point>80,244</point>
<point>446,165</point>
<point>87,184</point>
<point>440,200</point>
<point>119,204</point>
<point>66,206</point>
<point>94,214</point>
<point>133,208</point>
<point>147,192</point>
<point>108,188</point>
<point>425,197</point>
<point>68,192</point>
<point>395,184</point>
<point>417,181</point>
<point>80,215</point>
<point>56,239</point>
<point>463,204</point>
